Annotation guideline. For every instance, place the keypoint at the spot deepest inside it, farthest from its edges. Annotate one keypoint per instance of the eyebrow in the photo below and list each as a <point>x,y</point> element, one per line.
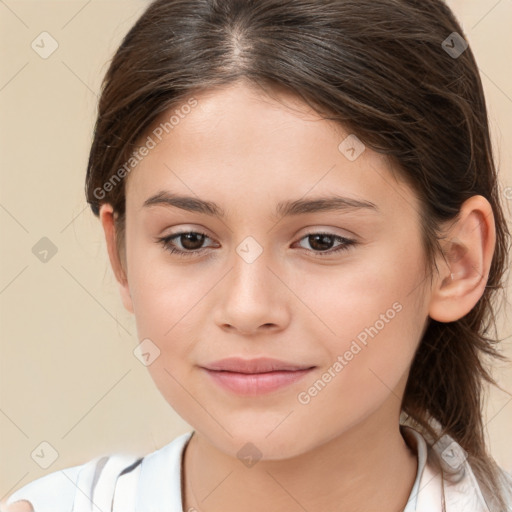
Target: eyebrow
<point>283,209</point>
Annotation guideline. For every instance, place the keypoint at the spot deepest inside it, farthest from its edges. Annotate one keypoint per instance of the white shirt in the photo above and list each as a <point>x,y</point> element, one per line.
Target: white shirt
<point>129,483</point>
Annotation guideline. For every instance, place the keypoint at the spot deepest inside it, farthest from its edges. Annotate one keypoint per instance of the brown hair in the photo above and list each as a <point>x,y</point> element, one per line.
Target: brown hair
<point>379,68</point>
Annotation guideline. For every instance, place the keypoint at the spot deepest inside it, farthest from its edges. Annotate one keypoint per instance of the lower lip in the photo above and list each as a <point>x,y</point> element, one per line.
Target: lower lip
<point>256,383</point>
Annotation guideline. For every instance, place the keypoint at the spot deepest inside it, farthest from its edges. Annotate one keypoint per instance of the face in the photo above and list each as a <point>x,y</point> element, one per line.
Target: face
<point>336,290</point>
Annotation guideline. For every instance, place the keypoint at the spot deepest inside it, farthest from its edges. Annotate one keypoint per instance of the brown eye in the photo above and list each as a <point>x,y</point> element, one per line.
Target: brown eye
<point>191,243</point>
<point>322,243</point>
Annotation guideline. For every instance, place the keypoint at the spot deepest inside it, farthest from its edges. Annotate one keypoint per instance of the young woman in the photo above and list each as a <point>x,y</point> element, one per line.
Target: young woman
<point>302,211</point>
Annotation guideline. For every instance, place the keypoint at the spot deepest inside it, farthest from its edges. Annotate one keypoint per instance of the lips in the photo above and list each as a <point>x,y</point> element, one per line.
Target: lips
<point>259,365</point>
<point>255,376</point>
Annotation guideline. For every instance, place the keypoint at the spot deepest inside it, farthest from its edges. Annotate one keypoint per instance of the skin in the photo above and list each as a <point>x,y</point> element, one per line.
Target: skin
<point>290,303</point>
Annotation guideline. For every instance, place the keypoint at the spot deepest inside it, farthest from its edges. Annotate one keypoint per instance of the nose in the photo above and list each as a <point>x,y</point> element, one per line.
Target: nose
<point>253,297</point>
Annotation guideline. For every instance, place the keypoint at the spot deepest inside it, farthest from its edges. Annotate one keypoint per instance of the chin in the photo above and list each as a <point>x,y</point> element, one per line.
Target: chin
<point>259,441</point>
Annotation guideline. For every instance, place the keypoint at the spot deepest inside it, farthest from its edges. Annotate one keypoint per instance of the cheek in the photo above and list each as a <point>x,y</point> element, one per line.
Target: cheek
<point>162,289</point>
<point>375,313</point>
<point>164,301</point>
<point>366,363</point>
<point>354,295</point>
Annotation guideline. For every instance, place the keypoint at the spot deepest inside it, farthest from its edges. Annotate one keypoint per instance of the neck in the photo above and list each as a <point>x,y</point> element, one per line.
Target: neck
<point>368,467</point>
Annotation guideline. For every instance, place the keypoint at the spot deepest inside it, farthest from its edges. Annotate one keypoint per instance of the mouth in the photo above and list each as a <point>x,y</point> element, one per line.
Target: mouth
<point>255,376</point>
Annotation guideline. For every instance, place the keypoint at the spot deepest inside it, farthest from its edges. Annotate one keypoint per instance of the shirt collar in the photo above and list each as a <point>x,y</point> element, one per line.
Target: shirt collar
<point>443,473</point>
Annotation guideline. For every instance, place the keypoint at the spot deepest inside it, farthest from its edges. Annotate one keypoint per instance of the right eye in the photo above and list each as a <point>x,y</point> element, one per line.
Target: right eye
<point>188,241</point>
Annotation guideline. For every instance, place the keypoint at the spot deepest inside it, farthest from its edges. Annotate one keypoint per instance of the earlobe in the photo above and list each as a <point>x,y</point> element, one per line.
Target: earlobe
<point>106,215</point>
<point>465,263</point>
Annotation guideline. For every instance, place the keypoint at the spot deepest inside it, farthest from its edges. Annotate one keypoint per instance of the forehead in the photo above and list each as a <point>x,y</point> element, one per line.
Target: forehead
<point>238,142</point>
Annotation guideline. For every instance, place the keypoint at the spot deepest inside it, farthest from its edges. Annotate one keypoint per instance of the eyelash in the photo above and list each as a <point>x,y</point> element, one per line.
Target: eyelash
<point>167,240</point>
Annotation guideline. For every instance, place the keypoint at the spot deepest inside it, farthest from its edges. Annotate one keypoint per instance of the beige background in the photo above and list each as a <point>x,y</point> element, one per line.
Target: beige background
<point>68,374</point>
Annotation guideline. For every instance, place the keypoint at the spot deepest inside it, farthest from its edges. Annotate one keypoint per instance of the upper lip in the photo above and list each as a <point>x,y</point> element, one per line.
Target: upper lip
<point>258,365</point>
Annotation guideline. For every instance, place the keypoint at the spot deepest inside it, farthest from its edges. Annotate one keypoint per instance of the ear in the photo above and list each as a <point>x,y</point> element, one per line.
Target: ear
<point>464,266</point>
<point>106,215</point>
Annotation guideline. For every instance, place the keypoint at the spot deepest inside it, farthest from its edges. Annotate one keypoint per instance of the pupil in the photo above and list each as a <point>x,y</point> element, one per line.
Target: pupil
<point>325,240</point>
<point>190,243</point>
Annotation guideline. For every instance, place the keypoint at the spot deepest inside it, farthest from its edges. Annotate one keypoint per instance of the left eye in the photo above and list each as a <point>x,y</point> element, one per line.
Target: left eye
<point>191,239</point>
<point>320,240</point>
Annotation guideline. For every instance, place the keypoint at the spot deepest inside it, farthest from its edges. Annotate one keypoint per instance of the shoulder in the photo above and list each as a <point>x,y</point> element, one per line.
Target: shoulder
<point>506,482</point>
<point>56,491</point>
<point>73,488</point>
<point>45,488</point>
<point>447,470</point>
